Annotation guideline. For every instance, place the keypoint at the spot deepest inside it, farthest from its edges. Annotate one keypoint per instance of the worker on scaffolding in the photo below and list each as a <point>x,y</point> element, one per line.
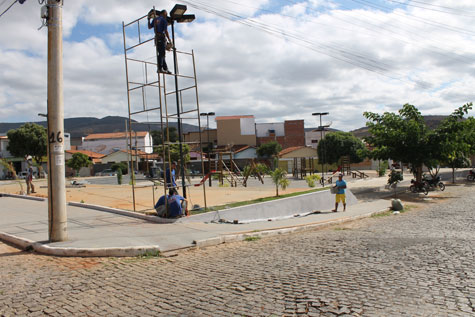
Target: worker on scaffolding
<point>158,21</point>
<point>171,205</point>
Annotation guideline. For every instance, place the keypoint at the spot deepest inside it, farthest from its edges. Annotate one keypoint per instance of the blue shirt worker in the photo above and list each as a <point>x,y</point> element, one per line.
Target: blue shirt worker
<point>170,176</point>
<point>160,24</point>
<point>340,194</point>
<point>176,205</point>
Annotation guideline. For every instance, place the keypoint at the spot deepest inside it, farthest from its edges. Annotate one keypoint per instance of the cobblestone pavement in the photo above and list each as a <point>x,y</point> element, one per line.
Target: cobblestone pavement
<point>419,263</point>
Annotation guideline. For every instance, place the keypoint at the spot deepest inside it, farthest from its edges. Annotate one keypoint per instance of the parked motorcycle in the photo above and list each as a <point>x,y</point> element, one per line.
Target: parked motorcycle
<point>471,176</point>
<point>434,182</point>
<point>419,187</point>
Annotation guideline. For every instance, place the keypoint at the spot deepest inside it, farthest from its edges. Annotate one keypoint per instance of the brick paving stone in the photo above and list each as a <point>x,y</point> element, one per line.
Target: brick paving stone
<point>419,263</point>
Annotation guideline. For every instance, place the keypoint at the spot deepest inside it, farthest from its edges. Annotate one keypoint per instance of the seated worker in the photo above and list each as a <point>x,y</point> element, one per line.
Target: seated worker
<point>176,205</point>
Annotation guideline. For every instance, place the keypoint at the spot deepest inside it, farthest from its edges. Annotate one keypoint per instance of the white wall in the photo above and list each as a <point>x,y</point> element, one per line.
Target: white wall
<point>3,148</point>
<point>107,146</point>
<point>262,129</point>
<point>313,135</point>
<point>248,126</point>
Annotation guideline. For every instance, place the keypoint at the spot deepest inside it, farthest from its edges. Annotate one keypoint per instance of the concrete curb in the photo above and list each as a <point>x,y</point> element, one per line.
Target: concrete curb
<point>273,232</point>
<point>27,245</point>
<point>123,212</point>
<point>23,197</point>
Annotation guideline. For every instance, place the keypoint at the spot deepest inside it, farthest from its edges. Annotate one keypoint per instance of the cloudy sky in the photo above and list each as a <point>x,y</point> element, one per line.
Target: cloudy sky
<point>273,59</point>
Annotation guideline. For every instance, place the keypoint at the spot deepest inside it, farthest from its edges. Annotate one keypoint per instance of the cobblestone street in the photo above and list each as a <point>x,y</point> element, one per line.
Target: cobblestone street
<point>418,263</point>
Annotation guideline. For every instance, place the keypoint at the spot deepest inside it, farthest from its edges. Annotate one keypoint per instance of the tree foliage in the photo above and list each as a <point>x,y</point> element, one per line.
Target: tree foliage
<point>454,140</point>
<point>78,161</point>
<point>174,151</point>
<point>337,144</point>
<point>29,139</point>
<point>402,137</point>
<point>158,136</point>
<point>405,137</point>
<point>269,149</point>
<point>121,166</point>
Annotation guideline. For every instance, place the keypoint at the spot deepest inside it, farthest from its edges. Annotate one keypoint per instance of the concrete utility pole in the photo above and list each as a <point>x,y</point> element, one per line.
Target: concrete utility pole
<point>57,216</point>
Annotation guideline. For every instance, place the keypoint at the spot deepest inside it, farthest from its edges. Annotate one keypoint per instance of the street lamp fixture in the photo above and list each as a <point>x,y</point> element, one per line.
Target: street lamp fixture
<point>321,128</point>
<point>178,10</point>
<point>207,115</point>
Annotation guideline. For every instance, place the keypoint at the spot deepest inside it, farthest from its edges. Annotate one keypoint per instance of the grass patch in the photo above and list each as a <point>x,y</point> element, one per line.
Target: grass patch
<point>341,229</point>
<point>149,255</point>
<point>253,238</point>
<point>255,201</point>
<point>382,214</point>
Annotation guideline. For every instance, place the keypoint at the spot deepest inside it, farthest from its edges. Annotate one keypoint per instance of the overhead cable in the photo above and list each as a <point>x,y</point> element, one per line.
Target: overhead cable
<point>11,5</point>
<point>332,51</point>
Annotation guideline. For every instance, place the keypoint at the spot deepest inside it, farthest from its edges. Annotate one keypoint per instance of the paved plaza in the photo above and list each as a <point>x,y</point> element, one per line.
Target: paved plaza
<point>418,263</point>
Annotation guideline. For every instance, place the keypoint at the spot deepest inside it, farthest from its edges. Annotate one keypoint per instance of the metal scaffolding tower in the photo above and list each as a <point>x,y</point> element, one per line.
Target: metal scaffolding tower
<point>148,96</point>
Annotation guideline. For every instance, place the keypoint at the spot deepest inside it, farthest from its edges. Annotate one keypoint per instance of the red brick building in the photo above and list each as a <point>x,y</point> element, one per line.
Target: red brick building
<point>289,133</point>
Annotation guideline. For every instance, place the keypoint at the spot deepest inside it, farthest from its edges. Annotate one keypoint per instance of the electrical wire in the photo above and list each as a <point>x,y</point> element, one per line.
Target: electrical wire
<point>459,13</point>
<point>332,51</point>
<point>11,5</point>
<point>437,46</point>
<point>421,20</point>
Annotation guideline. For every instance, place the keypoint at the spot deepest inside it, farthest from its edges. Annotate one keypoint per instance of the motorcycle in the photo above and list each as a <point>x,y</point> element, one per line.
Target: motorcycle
<point>419,187</point>
<point>434,182</point>
<point>471,176</point>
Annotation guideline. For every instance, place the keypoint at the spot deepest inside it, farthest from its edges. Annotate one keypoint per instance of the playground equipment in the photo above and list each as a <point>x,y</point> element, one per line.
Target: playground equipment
<point>302,166</point>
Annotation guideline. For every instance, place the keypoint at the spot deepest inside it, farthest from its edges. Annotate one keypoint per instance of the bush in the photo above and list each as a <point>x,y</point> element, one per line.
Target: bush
<point>262,169</point>
<point>311,179</point>
<point>383,166</point>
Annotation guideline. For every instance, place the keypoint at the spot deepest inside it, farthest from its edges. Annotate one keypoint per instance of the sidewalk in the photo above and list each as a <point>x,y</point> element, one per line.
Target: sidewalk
<point>24,223</point>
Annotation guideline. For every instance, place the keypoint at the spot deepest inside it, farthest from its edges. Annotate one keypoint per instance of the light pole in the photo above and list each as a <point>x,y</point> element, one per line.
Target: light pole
<point>209,152</point>
<point>177,15</point>
<point>321,128</point>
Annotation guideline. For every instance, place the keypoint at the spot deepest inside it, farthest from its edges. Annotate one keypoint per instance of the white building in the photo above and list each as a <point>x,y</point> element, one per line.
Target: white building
<point>3,147</point>
<point>313,137</point>
<point>106,143</point>
<point>276,129</point>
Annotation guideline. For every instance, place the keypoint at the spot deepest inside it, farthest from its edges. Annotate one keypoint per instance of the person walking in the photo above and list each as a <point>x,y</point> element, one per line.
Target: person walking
<point>160,24</point>
<point>340,194</point>
<point>30,188</point>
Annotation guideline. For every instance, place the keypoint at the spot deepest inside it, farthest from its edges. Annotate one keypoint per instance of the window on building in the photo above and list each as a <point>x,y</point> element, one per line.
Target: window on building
<point>314,141</point>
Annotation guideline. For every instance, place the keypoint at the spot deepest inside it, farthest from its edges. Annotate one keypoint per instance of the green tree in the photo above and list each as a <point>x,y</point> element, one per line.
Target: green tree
<point>454,140</point>
<point>279,178</point>
<point>337,144</point>
<point>78,161</point>
<point>402,137</point>
<point>270,150</point>
<point>174,151</point>
<point>120,166</point>
<point>29,139</point>
<point>157,136</point>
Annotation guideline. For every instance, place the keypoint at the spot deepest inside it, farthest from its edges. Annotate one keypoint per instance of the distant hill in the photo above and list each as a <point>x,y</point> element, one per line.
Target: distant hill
<point>82,126</point>
<point>431,121</point>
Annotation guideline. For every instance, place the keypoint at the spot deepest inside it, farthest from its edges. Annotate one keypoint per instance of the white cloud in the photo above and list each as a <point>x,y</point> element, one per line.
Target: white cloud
<point>242,70</point>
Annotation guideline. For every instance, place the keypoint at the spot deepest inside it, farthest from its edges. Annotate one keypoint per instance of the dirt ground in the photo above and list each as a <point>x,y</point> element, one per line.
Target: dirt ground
<point>121,196</point>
